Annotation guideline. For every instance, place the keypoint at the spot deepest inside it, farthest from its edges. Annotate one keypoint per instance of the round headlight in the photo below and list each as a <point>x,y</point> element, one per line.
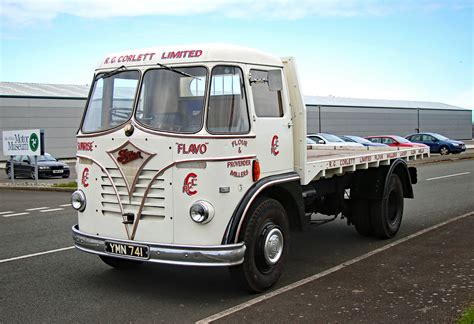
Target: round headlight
<point>78,200</point>
<point>201,212</point>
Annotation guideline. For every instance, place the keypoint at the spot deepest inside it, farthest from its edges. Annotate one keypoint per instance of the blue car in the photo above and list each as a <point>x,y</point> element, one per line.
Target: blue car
<point>438,143</point>
<point>360,140</point>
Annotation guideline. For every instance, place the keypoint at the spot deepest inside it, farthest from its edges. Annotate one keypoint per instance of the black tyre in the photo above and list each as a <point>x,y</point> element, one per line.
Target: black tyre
<point>444,150</point>
<point>386,214</point>
<point>9,173</point>
<point>266,236</point>
<point>120,263</point>
<point>32,174</point>
<point>361,217</point>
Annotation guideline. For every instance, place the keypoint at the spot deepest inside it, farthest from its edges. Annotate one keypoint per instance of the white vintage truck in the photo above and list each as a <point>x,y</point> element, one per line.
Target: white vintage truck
<point>196,156</point>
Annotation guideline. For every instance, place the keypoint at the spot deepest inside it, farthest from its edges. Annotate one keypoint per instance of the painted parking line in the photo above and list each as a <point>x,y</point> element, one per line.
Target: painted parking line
<point>6,212</point>
<point>448,176</point>
<point>17,214</point>
<point>343,265</point>
<point>37,208</point>
<point>50,210</point>
<point>65,205</point>
<point>36,254</point>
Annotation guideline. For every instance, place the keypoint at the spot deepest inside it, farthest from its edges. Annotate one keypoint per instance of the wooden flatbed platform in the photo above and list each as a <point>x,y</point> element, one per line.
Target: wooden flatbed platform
<point>325,162</point>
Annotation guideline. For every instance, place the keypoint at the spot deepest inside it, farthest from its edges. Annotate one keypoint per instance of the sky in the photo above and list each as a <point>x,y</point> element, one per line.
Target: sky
<point>387,49</point>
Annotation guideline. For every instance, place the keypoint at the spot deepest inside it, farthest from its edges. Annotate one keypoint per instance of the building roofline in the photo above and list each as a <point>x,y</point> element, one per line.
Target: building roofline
<point>43,97</point>
<point>378,103</point>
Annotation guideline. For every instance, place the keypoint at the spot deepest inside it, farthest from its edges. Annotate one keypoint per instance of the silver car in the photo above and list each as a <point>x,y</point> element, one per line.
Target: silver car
<point>332,140</point>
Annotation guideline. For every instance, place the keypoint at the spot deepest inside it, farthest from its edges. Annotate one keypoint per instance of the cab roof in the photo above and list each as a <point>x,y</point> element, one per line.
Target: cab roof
<point>179,54</point>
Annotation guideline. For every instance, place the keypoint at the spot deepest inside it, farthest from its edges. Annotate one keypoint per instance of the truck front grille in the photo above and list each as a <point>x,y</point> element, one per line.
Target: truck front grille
<point>154,205</point>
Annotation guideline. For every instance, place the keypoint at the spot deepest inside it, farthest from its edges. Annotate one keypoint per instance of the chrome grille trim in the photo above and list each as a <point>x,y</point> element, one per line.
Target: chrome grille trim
<point>154,204</point>
<point>109,177</point>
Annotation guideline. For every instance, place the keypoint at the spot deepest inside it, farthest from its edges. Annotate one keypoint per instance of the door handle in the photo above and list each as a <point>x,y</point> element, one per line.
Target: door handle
<point>290,124</point>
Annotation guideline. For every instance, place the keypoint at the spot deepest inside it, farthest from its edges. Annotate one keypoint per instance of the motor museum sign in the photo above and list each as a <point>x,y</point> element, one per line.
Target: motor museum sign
<point>22,142</point>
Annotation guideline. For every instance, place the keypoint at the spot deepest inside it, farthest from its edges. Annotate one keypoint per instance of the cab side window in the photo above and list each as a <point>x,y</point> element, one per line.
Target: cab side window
<point>227,112</point>
<point>267,103</point>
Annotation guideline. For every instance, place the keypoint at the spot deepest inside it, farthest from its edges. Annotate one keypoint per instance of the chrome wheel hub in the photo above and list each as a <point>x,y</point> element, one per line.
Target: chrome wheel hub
<point>273,246</point>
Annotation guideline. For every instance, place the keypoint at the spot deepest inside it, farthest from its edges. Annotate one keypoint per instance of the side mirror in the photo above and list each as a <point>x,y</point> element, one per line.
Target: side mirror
<point>321,142</point>
<point>274,80</point>
<point>26,161</point>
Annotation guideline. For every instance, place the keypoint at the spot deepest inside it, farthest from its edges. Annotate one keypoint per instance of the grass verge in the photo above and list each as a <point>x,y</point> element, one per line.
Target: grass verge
<point>468,316</point>
<point>71,184</point>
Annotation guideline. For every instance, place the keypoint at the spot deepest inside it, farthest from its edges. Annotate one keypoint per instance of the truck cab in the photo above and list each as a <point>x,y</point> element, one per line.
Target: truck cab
<point>167,129</point>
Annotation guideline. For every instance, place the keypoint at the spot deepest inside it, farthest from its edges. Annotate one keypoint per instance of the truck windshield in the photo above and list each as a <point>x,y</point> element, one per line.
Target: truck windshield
<point>173,102</point>
<point>111,101</point>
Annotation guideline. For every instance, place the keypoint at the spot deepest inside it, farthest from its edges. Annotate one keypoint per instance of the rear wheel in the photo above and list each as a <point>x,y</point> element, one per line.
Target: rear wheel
<point>32,174</point>
<point>386,214</point>
<point>120,263</point>
<point>9,173</point>
<point>361,217</point>
<point>266,236</point>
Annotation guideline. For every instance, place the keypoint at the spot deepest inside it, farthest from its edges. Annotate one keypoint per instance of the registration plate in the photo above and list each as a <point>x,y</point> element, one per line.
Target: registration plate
<point>58,171</point>
<point>137,251</point>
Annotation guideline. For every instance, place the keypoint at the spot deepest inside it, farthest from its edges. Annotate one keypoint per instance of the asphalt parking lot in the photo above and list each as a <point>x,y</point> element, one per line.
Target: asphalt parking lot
<point>67,285</point>
<point>426,278</point>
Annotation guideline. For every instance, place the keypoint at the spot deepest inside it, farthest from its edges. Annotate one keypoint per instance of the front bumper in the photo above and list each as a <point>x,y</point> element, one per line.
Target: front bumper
<point>220,255</point>
<point>458,149</point>
<point>50,173</point>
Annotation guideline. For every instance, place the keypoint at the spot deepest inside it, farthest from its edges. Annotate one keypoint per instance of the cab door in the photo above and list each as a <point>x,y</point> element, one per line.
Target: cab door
<point>271,121</point>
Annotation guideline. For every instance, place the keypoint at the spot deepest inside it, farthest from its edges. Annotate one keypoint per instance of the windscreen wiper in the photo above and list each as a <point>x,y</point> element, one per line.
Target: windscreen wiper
<point>177,71</point>
<point>110,73</point>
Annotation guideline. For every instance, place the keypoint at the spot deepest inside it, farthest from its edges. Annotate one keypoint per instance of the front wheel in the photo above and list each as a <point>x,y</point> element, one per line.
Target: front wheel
<point>444,150</point>
<point>266,236</point>
<point>118,263</point>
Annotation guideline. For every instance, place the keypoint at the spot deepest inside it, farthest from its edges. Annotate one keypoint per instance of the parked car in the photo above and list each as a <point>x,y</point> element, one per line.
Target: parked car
<point>438,143</point>
<point>393,140</point>
<point>309,143</point>
<point>360,140</point>
<point>48,166</point>
<point>329,139</point>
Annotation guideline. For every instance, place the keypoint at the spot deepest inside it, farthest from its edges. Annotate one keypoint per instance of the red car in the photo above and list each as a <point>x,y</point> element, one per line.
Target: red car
<point>393,140</point>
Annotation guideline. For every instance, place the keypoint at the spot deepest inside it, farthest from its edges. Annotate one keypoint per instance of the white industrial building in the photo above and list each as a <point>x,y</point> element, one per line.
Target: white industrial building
<point>364,117</point>
<point>58,109</point>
